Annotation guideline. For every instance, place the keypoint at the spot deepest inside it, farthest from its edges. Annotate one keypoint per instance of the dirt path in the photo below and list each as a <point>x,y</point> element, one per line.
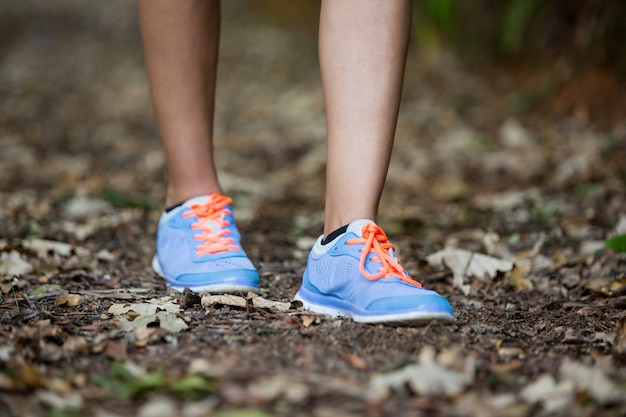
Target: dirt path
<point>86,328</point>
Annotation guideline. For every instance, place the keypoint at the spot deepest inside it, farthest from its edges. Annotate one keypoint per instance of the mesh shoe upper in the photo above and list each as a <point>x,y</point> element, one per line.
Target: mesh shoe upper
<point>198,245</point>
<point>358,275</point>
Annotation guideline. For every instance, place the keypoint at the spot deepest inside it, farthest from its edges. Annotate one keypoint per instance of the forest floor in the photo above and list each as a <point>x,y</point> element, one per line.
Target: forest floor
<point>489,163</point>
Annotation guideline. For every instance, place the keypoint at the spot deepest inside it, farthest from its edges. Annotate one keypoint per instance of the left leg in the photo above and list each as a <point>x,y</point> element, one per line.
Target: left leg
<point>198,244</point>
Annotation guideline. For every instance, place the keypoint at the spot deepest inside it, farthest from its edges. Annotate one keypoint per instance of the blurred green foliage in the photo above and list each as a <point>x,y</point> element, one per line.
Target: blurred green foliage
<point>496,31</point>
<point>617,243</point>
<point>581,33</point>
<point>128,386</point>
<point>483,32</point>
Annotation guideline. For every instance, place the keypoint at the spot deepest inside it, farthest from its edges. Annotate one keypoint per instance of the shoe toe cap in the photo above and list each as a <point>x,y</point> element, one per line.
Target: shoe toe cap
<point>240,276</point>
<point>427,302</point>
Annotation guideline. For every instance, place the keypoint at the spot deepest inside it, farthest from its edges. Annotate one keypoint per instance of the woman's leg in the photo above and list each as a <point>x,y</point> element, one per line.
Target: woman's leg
<point>363,45</point>
<point>197,239</point>
<point>181,46</point>
<point>354,271</point>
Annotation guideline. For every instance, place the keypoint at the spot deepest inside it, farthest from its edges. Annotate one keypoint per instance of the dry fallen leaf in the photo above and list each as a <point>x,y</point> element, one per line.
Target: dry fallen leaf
<point>164,310</point>
<point>575,378</point>
<point>238,301</point>
<point>593,381</point>
<point>105,255</point>
<point>75,344</point>
<point>309,319</point>
<point>5,352</point>
<point>620,227</point>
<point>167,321</point>
<point>607,286</point>
<point>591,247</point>
<point>44,248</point>
<point>116,350</point>
<point>428,377</point>
<point>554,397</point>
<point>506,200</point>
<point>518,279</point>
<point>148,308</point>
<point>270,304</point>
<point>72,401</point>
<point>356,361</point>
<point>72,300</point>
<point>464,263</point>
<point>12,265</point>
<point>171,322</point>
<point>6,284</point>
<point>508,349</point>
<point>215,368</point>
<point>279,386</point>
<point>224,299</point>
<point>160,406</point>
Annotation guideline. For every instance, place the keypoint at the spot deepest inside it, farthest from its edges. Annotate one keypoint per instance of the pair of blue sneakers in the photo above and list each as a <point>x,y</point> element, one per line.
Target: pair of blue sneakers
<point>356,275</point>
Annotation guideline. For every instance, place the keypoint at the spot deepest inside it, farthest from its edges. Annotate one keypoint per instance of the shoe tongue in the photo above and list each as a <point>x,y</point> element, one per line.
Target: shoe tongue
<point>185,205</point>
<point>356,226</point>
<point>197,200</point>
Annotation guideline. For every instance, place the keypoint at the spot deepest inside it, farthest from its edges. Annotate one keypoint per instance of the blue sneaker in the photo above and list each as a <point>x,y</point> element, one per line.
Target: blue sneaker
<point>198,247</point>
<point>357,275</point>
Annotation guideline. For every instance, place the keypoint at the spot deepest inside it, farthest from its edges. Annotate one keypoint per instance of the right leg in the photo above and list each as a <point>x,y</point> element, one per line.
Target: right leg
<point>197,239</point>
<point>181,45</point>
<point>354,272</point>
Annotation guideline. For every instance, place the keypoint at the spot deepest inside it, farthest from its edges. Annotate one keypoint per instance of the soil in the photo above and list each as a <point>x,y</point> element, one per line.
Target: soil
<point>482,162</point>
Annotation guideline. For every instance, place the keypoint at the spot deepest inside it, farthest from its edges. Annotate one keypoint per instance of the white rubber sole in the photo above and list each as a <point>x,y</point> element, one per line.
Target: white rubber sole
<point>211,288</point>
<point>411,318</point>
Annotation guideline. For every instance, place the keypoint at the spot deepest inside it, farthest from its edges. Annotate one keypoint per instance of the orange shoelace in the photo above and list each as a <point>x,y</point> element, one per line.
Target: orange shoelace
<point>376,241</point>
<point>212,223</point>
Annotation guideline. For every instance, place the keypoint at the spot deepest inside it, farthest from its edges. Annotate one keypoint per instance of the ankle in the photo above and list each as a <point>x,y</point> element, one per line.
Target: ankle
<point>178,196</point>
<point>332,224</point>
<point>329,237</point>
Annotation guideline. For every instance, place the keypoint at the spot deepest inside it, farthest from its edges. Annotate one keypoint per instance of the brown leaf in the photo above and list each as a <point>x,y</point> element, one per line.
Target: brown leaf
<point>508,349</point>
<point>30,377</point>
<point>230,300</point>
<point>58,385</point>
<point>518,279</point>
<point>75,344</point>
<point>607,286</point>
<point>238,301</point>
<point>356,361</point>
<point>309,319</point>
<point>143,335</point>
<point>116,350</point>
<point>261,302</point>
<point>72,300</point>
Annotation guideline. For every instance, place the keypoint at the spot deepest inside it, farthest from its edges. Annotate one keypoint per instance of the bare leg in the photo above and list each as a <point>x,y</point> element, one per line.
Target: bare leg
<point>363,46</point>
<point>181,45</point>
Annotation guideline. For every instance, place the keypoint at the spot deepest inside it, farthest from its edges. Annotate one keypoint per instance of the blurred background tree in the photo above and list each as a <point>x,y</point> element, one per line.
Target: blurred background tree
<point>559,56</point>
<point>494,31</point>
<point>482,32</point>
<point>564,57</point>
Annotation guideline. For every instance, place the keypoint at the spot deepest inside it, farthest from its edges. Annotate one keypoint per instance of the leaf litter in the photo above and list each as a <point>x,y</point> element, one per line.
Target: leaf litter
<point>506,215</point>
<point>137,317</point>
<point>465,264</point>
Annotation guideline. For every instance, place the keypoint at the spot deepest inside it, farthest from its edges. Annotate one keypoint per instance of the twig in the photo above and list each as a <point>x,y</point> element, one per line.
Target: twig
<point>17,304</point>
